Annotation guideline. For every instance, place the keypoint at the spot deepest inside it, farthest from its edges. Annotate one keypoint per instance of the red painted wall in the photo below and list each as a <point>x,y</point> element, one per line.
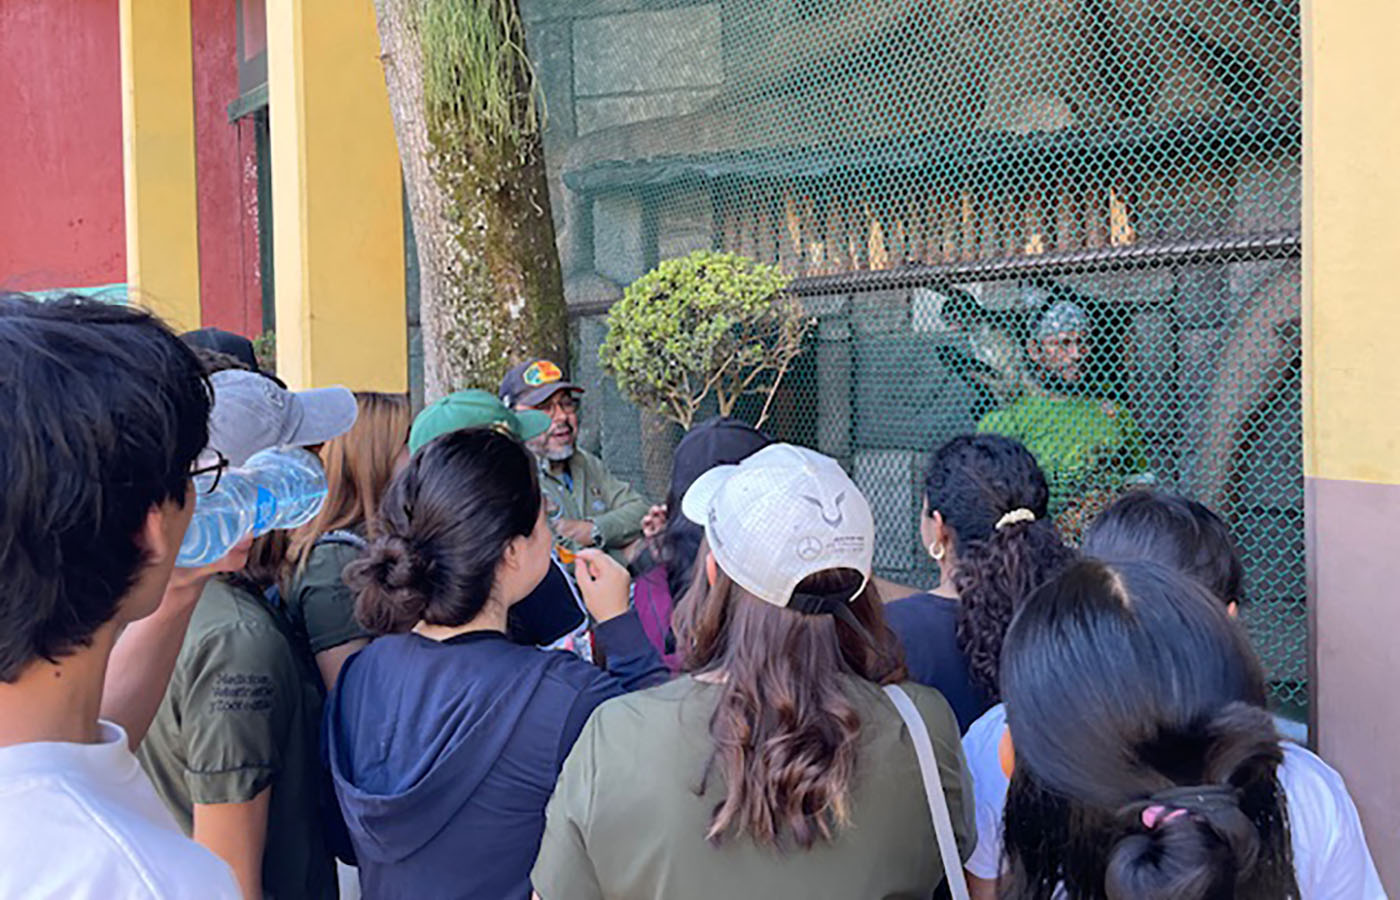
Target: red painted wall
<point>61,213</point>
<point>225,162</point>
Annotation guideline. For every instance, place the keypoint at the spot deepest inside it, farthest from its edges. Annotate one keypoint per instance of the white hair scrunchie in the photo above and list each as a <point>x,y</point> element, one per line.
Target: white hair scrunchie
<point>1015,516</point>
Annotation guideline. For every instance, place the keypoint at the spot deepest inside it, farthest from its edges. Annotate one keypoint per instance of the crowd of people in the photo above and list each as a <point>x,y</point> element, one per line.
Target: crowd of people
<point>488,668</point>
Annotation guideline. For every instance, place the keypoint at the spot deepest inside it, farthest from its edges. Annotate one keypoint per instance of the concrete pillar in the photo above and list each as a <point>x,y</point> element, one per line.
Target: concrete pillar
<point>1352,401</point>
<point>162,230</point>
<point>337,207</point>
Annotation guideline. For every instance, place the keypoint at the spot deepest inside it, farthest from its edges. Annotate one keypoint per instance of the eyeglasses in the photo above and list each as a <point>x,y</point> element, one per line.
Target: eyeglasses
<point>561,402</point>
<point>209,467</point>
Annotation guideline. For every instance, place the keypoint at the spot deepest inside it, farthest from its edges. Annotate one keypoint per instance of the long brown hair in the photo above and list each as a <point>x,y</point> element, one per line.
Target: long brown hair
<point>358,465</point>
<point>785,733</point>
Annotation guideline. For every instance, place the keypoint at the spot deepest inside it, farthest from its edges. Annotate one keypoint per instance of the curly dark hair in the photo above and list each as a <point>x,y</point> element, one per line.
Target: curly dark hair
<point>973,481</point>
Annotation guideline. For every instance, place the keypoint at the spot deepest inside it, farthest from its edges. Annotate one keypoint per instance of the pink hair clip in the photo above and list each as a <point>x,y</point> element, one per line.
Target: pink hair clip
<point>1153,816</point>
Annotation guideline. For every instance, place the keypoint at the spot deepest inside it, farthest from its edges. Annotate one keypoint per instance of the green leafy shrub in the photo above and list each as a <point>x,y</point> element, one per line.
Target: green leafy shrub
<point>700,324</point>
<point>265,351</point>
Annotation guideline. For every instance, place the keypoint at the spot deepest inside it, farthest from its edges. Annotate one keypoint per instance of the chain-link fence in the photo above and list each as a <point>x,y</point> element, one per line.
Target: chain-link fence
<point>1072,221</point>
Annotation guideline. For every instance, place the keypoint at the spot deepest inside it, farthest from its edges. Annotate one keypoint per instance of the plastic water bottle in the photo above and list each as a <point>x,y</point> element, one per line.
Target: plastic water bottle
<point>275,489</point>
<point>221,519</point>
<point>291,488</point>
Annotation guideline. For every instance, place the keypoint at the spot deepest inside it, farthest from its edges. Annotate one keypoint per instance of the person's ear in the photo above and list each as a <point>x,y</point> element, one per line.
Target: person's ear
<point>514,556</point>
<point>154,537</point>
<point>931,528</point>
<point>1232,609</point>
<point>1006,753</point>
<point>711,569</point>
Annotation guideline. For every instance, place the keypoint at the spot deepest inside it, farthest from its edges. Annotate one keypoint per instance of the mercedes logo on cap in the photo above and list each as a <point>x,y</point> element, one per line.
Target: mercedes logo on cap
<point>809,548</point>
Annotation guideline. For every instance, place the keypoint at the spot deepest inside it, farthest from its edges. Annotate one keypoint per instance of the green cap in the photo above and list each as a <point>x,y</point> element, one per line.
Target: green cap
<point>474,409</point>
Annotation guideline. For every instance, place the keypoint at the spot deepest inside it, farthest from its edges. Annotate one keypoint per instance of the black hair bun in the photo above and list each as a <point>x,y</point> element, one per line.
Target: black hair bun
<point>1186,842</point>
<point>394,582</point>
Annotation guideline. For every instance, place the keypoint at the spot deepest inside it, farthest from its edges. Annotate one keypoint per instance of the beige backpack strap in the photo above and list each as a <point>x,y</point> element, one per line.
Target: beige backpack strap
<point>933,790</point>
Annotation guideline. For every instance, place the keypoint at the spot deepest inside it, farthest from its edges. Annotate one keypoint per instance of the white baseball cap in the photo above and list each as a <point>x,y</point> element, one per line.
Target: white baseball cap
<point>781,515</point>
<point>253,413</point>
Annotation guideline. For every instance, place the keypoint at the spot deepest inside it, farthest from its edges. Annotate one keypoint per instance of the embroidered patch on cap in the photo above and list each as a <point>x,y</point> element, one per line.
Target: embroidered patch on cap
<point>542,372</point>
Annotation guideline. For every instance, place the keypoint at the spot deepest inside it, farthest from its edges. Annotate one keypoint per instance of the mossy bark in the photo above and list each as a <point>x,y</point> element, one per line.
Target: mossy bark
<point>491,291</point>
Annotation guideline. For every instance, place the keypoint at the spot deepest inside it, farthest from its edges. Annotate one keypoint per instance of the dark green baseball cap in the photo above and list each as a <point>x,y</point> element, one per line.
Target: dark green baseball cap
<point>474,409</point>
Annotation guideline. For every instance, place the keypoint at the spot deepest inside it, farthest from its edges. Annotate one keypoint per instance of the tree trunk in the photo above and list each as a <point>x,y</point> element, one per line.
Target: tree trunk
<point>659,438</point>
<point>490,287</point>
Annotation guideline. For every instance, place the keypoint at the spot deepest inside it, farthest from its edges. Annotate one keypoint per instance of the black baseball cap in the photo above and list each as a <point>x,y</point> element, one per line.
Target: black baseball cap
<point>533,382</point>
<point>220,341</point>
<point>228,343</point>
<point>720,441</point>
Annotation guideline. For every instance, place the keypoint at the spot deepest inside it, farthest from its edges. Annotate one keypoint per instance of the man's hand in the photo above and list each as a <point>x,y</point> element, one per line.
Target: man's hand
<point>654,522</point>
<point>580,531</point>
<point>604,584</point>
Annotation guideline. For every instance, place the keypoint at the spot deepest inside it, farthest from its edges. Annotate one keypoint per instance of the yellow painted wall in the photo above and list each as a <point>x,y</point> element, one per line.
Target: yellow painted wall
<point>336,199</point>
<point>1351,240</point>
<point>162,231</point>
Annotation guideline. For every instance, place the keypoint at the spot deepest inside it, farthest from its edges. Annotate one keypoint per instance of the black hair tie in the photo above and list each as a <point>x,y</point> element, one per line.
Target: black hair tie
<point>835,605</point>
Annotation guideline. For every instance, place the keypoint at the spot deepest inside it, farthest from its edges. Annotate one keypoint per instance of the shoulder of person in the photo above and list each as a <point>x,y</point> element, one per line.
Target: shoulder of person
<point>1330,856</point>
<point>933,707</point>
<point>562,666</point>
<point>123,853</point>
<point>326,560</point>
<point>247,634</point>
<point>619,721</point>
<point>1316,792</point>
<point>982,749</point>
<point>920,606</point>
<point>589,461</point>
<point>115,823</point>
<point>986,732</point>
<point>225,608</point>
<point>333,550</point>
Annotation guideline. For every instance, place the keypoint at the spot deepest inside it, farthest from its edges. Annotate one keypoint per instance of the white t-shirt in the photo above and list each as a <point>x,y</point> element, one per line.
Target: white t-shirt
<point>82,821</point>
<point>1330,858</point>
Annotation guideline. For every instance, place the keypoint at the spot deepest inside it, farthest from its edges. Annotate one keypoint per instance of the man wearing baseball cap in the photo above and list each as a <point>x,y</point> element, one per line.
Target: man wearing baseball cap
<point>553,610</point>
<point>1089,447</point>
<point>587,505</point>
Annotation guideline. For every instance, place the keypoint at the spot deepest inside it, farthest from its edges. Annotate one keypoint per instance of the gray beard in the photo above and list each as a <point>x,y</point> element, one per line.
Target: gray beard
<point>539,447</point>
<point>562,455</point>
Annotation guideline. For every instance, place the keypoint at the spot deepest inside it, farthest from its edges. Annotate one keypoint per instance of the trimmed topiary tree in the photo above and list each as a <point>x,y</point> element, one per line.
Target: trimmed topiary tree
<point>707,323</point>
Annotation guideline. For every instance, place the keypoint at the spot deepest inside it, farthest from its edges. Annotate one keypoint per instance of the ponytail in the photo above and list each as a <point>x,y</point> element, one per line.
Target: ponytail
<point>1198,841</point>
<point>994,499</point>
<point>992,578</point>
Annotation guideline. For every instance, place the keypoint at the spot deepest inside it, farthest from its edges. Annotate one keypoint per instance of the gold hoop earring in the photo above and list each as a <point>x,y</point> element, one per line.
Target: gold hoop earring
<point>936,550</point>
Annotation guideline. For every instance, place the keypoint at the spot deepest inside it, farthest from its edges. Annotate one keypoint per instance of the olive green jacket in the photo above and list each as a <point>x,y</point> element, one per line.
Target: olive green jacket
<point>595,495</point>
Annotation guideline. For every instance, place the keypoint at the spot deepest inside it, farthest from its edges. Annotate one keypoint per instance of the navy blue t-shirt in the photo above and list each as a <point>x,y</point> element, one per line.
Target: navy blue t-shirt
<point>927,626</point>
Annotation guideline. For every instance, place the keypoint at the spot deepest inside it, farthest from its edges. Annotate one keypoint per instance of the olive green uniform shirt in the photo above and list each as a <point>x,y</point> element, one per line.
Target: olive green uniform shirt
<point>625,821</point>
<point>596,496</point>
<point>242,714</point>
<point>320,608</point>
